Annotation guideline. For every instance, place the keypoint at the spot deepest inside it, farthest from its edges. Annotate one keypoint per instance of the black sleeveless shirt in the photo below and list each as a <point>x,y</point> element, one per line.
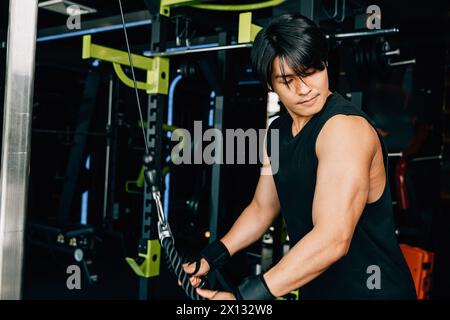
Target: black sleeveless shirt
<point>374,246</point>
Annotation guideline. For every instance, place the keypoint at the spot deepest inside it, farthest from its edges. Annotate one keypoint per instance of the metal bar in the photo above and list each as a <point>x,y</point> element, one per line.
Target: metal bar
<point>202,45</point>
<point>148,210</point>
<point>167,3</point>
<point>91,50</point>
<point>113,136</point>
<point>419,159</point>
<point>108,148</point>
<point>21,45</point>
<point>402,63</point>
<point>64,7</point>
<point>157,68</point>
<point>216,172</point>
<point>134,19</point>
<point>391,53</point>
<point>397,154</point>
<point>149,215</point>
<point>154,134</point>
<point>358,34</point>
<point>238,7</point>
<point>186,50</point>
<point>216,175</point>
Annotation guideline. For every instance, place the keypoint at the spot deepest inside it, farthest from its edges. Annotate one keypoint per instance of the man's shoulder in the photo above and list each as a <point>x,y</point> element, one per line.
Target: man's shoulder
<point>345,131</point>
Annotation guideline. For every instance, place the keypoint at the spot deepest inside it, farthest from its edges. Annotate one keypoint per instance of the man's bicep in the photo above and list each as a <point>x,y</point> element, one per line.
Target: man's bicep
<point>342,185</point>
<point>340,195</point>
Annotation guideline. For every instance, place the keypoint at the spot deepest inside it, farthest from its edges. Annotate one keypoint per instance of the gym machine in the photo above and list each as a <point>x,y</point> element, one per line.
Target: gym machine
<point>149,250</point>
<point>371,55</point>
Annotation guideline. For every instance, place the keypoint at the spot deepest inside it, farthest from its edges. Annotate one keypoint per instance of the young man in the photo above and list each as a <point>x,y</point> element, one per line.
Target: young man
<point>331,186</point>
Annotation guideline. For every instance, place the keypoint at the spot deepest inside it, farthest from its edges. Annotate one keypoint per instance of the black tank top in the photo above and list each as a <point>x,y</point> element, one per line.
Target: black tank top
<point>373,243</point>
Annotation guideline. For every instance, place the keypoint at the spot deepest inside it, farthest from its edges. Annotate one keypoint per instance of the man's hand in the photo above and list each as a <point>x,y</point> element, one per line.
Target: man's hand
<point>196,278</point>
<point>215,295</point>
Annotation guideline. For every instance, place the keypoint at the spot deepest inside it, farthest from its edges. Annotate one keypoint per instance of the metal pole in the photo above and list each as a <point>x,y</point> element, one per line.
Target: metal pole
<point>16,142</point>
<point>391,53</point>
<point>216,174</point>
<point>133,19</point>
<point>419,159</point>
<point>402,63</point>
<point>396,154</point>
<point>358,34</point>
<point>213,47</point>
<point>108,149</point>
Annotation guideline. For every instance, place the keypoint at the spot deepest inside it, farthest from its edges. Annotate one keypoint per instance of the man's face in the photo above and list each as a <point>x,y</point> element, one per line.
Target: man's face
<point>304,96</point>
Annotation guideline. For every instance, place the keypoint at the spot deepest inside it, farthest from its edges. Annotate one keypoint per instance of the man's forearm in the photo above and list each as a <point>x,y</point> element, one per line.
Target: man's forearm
<point>311,256</point>
<point>248,228</point>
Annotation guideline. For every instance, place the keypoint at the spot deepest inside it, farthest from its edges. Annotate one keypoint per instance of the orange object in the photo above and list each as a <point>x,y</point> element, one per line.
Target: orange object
<point>420,263</point>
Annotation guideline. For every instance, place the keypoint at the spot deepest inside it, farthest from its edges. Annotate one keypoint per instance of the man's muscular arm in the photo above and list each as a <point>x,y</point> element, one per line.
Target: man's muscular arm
<point>345,148</point>
<point>251,224</point>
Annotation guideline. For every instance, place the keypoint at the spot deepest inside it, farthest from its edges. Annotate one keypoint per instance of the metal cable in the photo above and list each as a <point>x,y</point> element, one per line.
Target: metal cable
<point>134,78</point>
<point>175,260</point>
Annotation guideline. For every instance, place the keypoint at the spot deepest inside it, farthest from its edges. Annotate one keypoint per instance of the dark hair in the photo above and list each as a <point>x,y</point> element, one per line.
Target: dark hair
<point>296,40</point>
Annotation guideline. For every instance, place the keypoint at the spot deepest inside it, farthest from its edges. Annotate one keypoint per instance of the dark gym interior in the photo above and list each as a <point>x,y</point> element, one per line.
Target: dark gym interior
<point>87,201</point>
